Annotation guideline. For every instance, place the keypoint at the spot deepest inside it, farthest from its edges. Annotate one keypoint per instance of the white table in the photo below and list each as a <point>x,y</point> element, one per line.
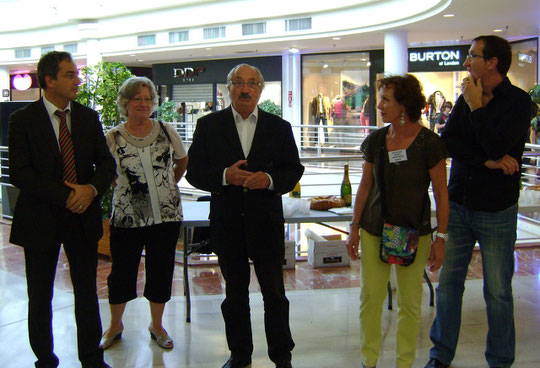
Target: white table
<point>196,215</point>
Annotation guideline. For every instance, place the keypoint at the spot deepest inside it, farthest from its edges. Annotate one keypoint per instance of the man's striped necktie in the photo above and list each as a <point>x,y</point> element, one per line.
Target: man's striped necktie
<point>66,148</point>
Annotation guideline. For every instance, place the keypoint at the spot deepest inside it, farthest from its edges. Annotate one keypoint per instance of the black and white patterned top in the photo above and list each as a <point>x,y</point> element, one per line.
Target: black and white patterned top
<point>146,192</point>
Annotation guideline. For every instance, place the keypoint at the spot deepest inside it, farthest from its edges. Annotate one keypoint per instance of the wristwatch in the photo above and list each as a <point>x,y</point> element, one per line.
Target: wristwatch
<point>443,236</point>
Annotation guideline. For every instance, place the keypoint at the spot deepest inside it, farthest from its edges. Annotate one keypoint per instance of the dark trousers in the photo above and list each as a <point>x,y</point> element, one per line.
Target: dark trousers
<point>235,268</point>
<point>159,242</point>
<point>40,273</point>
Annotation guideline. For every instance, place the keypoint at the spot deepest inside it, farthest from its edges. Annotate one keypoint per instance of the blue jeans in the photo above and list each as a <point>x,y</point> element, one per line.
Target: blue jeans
<point>496,234</point>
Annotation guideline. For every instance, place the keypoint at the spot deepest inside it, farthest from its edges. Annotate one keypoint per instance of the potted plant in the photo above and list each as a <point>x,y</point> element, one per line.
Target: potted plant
<point>271,107</point>
<point>167,112</point>
<point>98,90</point>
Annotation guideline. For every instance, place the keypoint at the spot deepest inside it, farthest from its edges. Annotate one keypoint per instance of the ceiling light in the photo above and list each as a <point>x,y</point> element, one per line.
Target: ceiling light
<point>208,48</point>
<point>294,50</point>
<point>336,38</point>
<point>140,60</point>
<point>132,55</point>
<point>448,15</point>
<point>325,66</point>
<point>497,30</point>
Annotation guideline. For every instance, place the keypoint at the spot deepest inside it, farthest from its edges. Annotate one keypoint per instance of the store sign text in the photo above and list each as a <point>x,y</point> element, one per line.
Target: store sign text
<point>443,58</point>
<point>188,74</point>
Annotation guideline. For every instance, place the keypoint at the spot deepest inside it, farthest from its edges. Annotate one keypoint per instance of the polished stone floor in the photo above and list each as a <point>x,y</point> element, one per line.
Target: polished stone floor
<point>324,318</point>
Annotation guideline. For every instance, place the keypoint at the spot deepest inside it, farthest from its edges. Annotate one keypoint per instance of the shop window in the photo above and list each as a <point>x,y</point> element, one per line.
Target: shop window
<point>214,32</point>
<point>253,28</point>
<point>46,49</point>
<point>179,36</point>
<point>297,24</point>
<point>524,68</point>
<point>146,40</point>
<point>71,48</point>
<point>335,100</point>
<point>22,53</point>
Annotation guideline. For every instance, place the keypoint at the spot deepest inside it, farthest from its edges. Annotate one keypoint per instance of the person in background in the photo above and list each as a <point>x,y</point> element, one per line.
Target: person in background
<point>445,113</point>
<point>59,160</point>
<point>410,157</point>
<point>485,135</point>
<point>247,159</point>
<point>146,209</point>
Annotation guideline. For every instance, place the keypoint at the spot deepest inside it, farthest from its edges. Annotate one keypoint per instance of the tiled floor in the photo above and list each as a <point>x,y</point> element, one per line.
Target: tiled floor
<point>324,318</point>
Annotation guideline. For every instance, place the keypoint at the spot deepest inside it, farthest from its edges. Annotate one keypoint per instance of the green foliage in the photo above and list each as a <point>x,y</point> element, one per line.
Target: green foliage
<point>167,112</point>
<point>99,89</point>
<point>271,107</point>
<point>535,93</point>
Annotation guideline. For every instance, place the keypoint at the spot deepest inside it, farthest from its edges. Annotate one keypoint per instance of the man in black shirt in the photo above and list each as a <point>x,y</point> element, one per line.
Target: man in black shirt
<point>485,135</point>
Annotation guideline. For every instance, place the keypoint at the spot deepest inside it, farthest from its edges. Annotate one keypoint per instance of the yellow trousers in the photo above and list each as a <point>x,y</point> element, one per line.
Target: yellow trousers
<point>375,275</point>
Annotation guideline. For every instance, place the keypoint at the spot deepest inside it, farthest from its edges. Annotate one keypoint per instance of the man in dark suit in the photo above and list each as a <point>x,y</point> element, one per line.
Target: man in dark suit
<point>59,160</point>
<point>247,159</point>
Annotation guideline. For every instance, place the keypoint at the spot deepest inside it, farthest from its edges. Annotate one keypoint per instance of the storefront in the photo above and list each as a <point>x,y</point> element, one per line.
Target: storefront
<point>440,70</point>
<point>336,90</point>
<point>23,87</point>
<point>199,87</point>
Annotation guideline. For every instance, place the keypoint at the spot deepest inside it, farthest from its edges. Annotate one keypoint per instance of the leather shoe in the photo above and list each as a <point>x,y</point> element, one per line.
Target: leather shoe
<point>435,363</point>
<point>237,363</point>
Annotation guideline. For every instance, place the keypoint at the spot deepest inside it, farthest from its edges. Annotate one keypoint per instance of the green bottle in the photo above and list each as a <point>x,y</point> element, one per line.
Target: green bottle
<point>346,189</point>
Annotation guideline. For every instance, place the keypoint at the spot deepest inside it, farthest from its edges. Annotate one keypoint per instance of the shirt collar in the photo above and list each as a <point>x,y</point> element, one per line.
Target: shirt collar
<point>251,118</point>
<point>51,108</point>
<point>503,88</point>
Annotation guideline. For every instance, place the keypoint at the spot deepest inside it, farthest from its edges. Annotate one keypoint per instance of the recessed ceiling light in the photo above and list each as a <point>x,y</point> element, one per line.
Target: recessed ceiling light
<point>293,50</point>
<point>336,38</point>
<point>325,66</point>
<point>140,60</point>
<point>497,30</point>
<point>448,15</point>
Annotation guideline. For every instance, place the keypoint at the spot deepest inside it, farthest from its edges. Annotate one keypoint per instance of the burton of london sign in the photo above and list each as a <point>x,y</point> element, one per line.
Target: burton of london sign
<point>437,59</point>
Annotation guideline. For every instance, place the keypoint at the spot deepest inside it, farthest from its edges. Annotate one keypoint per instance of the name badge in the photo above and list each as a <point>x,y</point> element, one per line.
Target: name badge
<point>397,156</point>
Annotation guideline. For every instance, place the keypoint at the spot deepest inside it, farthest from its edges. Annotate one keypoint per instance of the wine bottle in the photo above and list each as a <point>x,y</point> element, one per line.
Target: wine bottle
<point>346,189</point>
<point>296,192</point>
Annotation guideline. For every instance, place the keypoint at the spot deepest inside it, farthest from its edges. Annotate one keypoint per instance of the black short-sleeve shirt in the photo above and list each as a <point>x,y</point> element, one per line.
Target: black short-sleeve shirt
<point>405,183</point>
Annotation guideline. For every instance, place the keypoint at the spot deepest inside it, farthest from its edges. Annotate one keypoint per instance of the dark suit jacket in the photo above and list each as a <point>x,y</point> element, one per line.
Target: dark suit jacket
<point>36,168</point>
<point>234,211</point>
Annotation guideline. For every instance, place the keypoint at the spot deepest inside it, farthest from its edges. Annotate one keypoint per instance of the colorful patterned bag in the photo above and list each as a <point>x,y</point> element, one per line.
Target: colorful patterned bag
<point>398,244</point>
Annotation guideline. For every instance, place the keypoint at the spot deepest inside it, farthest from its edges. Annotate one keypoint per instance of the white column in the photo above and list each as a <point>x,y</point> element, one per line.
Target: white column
<point>395,52</point>
<point>4,82</point>
<point>290,69</point>
<point>93,56</point>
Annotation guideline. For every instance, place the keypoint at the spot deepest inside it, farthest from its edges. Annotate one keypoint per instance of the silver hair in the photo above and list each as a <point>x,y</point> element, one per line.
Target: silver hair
<point>130,88</point>
<point>233,71</point>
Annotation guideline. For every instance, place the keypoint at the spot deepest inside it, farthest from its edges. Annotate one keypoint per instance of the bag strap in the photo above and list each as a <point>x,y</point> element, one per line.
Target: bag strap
<point>165,131</point>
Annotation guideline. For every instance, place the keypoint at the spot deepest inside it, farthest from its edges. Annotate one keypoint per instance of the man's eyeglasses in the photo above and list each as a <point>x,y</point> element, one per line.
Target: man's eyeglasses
<point>250,84</point>
<point>140,99</point>
<point>472,55</point>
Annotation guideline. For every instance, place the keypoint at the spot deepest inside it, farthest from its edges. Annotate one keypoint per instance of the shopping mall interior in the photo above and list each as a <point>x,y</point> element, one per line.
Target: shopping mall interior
<point>306,50</point>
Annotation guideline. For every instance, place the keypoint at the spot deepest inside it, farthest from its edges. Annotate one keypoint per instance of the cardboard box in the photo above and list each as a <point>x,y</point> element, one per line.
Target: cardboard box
<point>328,253</point>
<point>289,261</point>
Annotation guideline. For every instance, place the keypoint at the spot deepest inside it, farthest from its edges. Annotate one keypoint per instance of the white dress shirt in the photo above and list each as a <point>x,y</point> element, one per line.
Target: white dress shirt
<point>246,132</point>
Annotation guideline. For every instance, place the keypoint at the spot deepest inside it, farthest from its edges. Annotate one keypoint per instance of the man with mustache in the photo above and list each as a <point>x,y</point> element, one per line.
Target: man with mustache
<point>485,135</point>
<point>247,159</point>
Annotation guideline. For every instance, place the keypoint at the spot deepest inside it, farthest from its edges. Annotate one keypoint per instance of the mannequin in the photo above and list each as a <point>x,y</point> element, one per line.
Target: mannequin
<point>320,111</point>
